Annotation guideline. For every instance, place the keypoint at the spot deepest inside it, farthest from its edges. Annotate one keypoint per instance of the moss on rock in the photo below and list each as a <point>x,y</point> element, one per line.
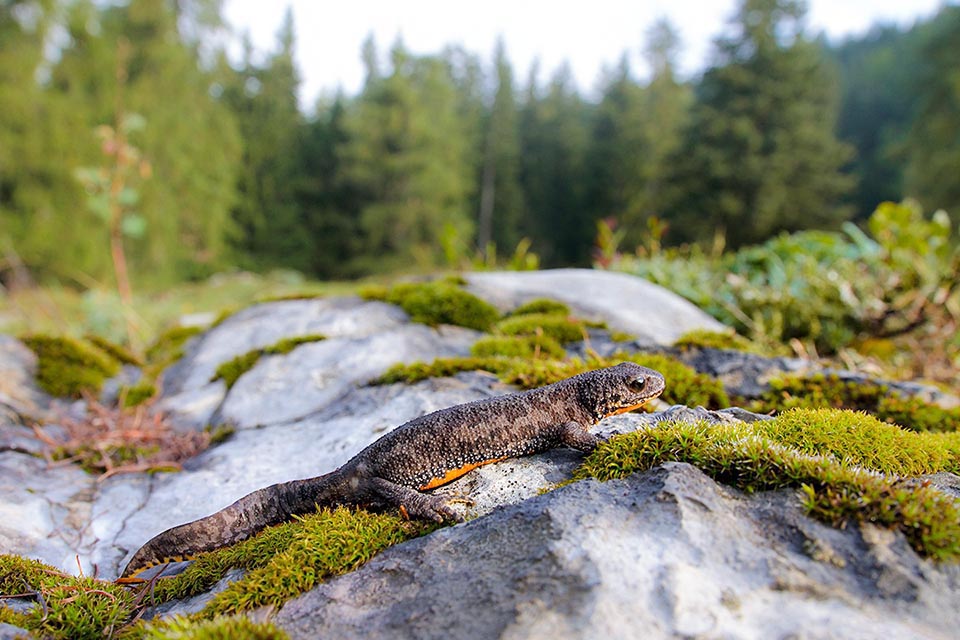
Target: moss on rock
<point>834,490</point>
<point>561,328</point>
<point>68,367</point>
<point>829,390</point>
<point>231,370</point>
<point>536,346</point>
<point>541,305</point>
<point>438,302</point>
<point>702,338</point>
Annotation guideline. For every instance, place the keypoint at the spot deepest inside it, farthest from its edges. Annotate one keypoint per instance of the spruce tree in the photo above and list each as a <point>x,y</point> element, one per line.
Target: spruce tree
<point>760,155</point>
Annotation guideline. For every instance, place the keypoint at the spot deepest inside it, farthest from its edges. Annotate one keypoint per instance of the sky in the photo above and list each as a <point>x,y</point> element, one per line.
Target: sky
<point>590,35</point>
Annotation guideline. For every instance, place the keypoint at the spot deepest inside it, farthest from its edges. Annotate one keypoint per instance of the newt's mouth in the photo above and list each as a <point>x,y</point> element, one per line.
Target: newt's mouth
<point>631,407</point>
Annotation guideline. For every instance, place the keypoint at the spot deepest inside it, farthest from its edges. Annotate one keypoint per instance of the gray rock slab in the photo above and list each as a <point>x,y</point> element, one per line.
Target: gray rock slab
<point>19,395</point>
<point>624,302</point>
<point>664,554</point>
<point>287,387</point>
<point>265,324</point>
<point>44,510</point>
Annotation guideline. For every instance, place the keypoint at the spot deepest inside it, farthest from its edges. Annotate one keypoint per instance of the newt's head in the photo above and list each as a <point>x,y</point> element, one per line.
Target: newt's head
<point>625,387</point>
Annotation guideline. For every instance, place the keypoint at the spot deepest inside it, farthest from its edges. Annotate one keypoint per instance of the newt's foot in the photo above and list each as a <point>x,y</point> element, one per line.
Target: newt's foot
<point>432,508</point>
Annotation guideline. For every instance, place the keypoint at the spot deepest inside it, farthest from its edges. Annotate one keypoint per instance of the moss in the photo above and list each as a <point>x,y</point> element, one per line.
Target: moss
<point>444,367</point>
<point>68,367</point>
<point>830,391</point>
<point>291,558</point>
<point>715,340</point>
<point>137,394</point>
<point>75,608</point>
<point>169,346</point>
<point>115,351</point>
<point>833,490</point>
<point>219,628</point>
<point>861,439</point>
<point>435,303</point>
<point>541,346</point>
<point>541,305</point>
<point>561,328</point>
<point>231,370</point>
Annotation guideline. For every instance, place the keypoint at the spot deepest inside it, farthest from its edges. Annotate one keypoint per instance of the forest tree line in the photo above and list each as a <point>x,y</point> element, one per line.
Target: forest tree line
<point>444,156</point>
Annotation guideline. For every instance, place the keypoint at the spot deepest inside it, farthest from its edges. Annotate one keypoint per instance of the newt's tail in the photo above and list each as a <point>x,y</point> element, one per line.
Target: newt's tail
<point>244,518</point>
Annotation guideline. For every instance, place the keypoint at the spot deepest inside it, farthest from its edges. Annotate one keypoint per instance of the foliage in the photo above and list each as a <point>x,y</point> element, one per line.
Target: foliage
<point>833,490</point>
<point>115,351</point>
<point>231,370</point>
<point>68,367</point>
<point>829,290</point>
<point>438,302</point>
<point>821,390</point>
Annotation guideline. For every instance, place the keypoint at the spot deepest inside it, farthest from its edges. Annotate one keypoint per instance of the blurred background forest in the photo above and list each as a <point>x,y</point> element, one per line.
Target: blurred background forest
<point>126,128</point>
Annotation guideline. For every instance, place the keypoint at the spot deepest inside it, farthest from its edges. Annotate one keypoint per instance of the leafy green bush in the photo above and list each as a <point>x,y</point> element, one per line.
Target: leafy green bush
<point>828,289</point>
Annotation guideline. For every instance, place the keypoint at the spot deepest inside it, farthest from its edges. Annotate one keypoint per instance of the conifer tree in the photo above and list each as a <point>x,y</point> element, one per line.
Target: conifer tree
<point>933,167</point>
<point>760,154</point>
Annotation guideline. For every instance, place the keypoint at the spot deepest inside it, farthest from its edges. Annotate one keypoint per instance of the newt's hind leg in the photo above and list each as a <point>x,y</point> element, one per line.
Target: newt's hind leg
<point>414,503</point>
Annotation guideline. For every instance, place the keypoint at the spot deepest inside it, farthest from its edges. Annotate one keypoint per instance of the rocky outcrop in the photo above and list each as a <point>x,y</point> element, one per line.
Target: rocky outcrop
<point>666,553</point>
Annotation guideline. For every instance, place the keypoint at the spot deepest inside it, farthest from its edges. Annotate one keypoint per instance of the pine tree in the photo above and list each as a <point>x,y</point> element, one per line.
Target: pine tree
<point>553,149</point>
<point>760,154</point>
<point>501,197</point>
<point>406,158</point>
<point>933,165</point>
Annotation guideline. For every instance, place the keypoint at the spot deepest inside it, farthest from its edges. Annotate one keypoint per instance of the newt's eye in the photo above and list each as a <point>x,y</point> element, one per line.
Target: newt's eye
<point>637,384</point>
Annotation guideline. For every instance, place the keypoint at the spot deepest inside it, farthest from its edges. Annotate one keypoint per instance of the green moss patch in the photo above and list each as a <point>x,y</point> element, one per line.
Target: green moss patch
<point>115,351</point>
<point>435,303</point>
<point>68,367</point>
<point>861,439</point>
<point>137,394</point>
<point>830,391</point>
<point>220,628</point>
<point>231,370</point>
<point>169,347</point>
<point>833,490</point>
<point>561,328</point>
<point>68,607</point>
<point>701,338</point>
<point>291,558</point>
<point>536,346</point>
<point>541,305</point>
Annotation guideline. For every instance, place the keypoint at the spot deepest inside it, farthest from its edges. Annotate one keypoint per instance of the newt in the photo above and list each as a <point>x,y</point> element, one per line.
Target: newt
<point>422,454</point>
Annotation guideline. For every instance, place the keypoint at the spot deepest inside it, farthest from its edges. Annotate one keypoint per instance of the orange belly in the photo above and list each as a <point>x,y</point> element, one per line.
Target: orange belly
<point>453,474</point>
<point>626,409</point>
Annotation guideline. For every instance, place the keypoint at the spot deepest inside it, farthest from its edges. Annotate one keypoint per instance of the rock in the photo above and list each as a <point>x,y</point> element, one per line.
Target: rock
<point>664,554</point>
<point>624,302</point>
<point>11,632</point>
<point>19,395</point>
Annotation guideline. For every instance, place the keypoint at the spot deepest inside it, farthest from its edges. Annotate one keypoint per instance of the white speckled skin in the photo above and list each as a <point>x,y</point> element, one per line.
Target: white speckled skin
<point>424,453</point>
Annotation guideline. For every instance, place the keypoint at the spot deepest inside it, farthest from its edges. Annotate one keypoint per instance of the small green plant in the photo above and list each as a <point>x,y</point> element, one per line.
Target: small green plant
<point>68,367</point>
<point>231,370</point>
<point>438,302</point>
<point>137,394</point>
<point>833,491</point>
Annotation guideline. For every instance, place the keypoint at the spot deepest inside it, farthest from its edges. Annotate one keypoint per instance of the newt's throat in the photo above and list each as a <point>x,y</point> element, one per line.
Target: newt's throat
<point>453,474</point>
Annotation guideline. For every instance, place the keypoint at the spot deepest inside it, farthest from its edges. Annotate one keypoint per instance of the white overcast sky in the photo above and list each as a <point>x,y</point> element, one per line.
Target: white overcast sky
<point>589,35</point>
